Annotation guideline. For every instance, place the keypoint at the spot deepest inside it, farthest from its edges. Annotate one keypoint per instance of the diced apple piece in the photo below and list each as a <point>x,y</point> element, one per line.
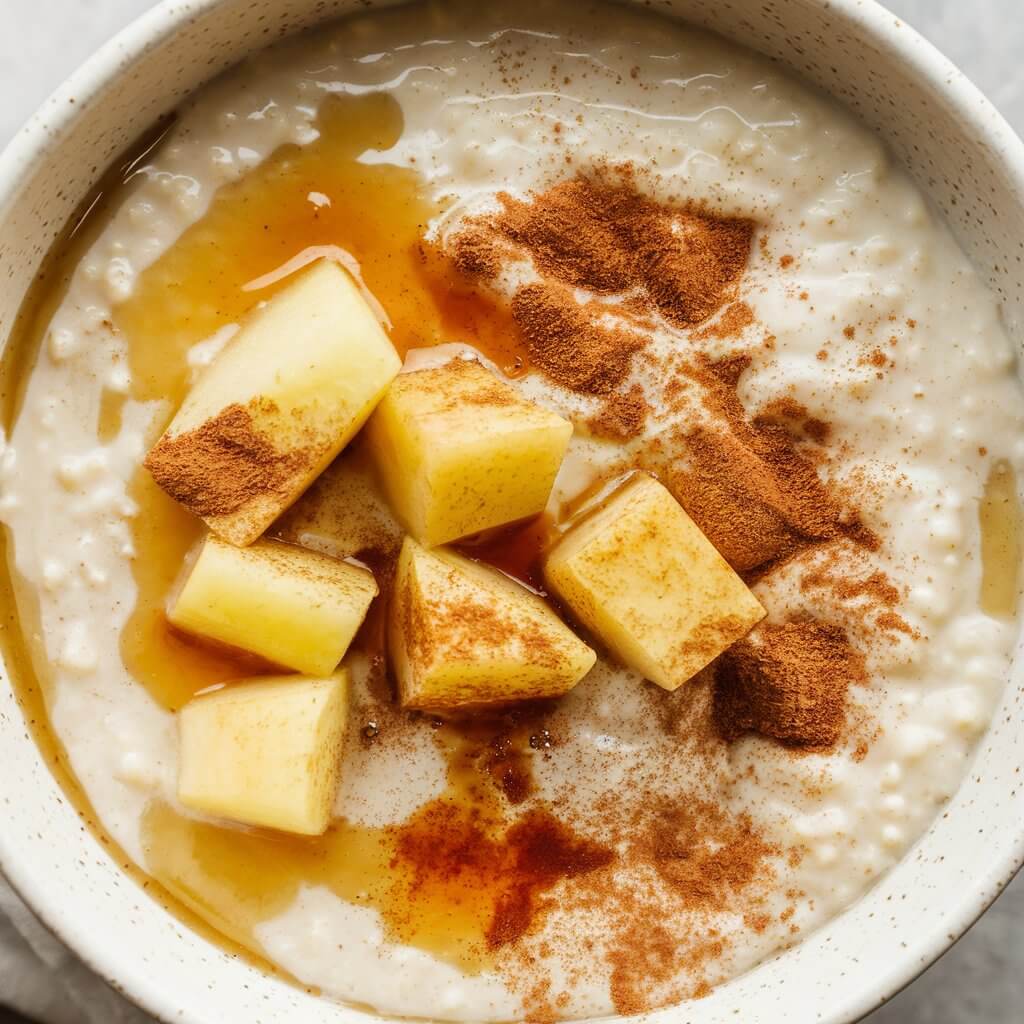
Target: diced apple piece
<point>265,752</point>
<point>643,578</point>
<point>284,397</point>
<point>296,608</point>
<point>464,635</point>
<point>460,451</point>
<point>345,512</point>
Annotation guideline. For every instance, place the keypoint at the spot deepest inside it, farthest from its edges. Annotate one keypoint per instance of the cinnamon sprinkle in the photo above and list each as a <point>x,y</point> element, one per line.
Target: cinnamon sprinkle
<point>474,253</point>
<point>709,861</point>
<point>731,324</point>
<point>747,486</point>
<point>219,467</point>
<point>869,600</point>
<point>568,341</point>
<point>788,682</point>
<point>607,237</point>
<point>445,844</point>
<point>622,415</point>
<point>752,482</point>
<point>705,855</point>
<point>789,413</point>
<point>543,851</point>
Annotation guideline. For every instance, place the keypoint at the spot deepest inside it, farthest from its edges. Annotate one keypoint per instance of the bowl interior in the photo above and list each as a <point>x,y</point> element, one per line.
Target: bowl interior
<point>972,167</point>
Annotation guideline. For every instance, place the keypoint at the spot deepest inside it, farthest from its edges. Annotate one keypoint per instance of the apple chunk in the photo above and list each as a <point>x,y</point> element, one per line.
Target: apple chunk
<point>296,608</point>
<point>460,451</point>
<point>284,397</point>
<point>265,752</point>
<point>463,635</point>
<point>345,512</point>
<point>641,576</point>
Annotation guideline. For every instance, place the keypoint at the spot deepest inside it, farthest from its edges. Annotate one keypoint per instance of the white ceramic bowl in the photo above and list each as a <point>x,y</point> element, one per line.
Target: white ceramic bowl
<point>971,165</point>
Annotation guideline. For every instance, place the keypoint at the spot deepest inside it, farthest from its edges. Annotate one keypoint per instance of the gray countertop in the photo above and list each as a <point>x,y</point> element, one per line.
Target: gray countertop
<point>980,980</point>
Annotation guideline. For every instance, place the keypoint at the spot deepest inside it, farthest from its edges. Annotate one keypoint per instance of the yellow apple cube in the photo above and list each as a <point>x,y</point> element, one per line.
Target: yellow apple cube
<point>464,635</point>
<point>460,451</point>
<point>642,577</point>
<point>265,752</point>
<point>291,388</point>
<point>344,513</point>
<point>296,608</point>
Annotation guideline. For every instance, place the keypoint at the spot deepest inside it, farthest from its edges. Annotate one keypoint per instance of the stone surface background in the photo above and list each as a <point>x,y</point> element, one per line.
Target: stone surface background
<point>980,981</point>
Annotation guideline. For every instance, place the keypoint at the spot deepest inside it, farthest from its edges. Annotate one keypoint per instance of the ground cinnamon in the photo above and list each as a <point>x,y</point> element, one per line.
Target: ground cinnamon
<point>608,237</point>
<point>219,467</point>
<point>708,861</point>
<point>448,847</point>
<point>569,342</point>
<point>705,854</point>
<point>543,852</point>
<point>794,416</point>
<point>475,254</point>
<point>751,482</point>
<point>746,483</point>
<point>622,415</point>
<point>788,682</point>
<point>735,319</point>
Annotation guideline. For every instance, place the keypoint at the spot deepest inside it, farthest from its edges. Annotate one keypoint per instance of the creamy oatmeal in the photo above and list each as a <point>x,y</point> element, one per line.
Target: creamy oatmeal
<point>721,280</point>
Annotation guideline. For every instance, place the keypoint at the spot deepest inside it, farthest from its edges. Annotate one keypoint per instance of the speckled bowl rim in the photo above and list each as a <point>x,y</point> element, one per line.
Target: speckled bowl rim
<point>46,127</point>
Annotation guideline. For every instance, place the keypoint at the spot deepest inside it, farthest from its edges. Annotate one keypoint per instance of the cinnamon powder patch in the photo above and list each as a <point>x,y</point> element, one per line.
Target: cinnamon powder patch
<point>445,848</point>
<point>219,467</point>
<point>569,342</point>
<point>474,253</point>
<point>795,417</point>
<point>869,597</point>
<point>649,955</point>
<point>876,588</point>
<point>787,682</point>
<point>708,861</point>
<point>543,851</point>
<point>731,324</point>
<point>622,415</point>
<point>607,237</point>
<point>573,233</point>
<point>705,855</point>
<point>746,484</point>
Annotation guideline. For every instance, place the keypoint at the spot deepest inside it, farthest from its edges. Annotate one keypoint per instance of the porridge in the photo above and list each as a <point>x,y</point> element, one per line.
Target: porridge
<point>616,413</point>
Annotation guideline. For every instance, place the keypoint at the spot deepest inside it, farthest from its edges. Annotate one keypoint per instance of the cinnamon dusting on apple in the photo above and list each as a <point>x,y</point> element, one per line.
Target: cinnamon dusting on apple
<point>220,466</point>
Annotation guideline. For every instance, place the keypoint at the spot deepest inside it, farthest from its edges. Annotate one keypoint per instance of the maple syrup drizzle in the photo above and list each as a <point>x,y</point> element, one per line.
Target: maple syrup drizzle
<point>457,879</point>
<point>236,879</point>
<point>1002,542</point>
<point>517,550</point>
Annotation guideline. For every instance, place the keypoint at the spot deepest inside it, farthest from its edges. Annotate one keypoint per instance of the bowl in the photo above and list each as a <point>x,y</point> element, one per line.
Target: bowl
<point>970,164</point>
